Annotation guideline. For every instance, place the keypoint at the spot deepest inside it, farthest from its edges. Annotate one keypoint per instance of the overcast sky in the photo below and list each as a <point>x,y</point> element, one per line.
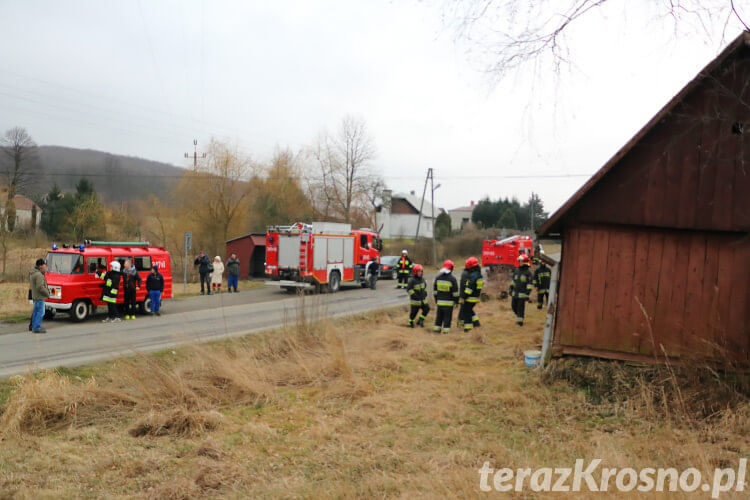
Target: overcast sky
<point>145,78</point>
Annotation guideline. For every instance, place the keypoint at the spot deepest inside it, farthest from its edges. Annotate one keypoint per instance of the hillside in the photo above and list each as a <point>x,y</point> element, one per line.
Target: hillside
<point>117,178</point>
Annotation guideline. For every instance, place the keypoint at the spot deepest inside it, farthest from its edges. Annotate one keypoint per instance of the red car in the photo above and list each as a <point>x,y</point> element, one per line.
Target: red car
<point>72,275</point>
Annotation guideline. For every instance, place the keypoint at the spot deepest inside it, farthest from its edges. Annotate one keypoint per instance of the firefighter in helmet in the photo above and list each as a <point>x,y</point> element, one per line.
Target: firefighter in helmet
<point>520,288</point>
<point>417,289</point>
<point>109,291</point>
<point>446,294</point>
<point>470,291</point>
<point>542,277</point>
<point>404,269</point>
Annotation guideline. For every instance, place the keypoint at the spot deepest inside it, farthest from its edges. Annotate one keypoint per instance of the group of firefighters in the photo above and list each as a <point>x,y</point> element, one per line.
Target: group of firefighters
<point>449,292</point>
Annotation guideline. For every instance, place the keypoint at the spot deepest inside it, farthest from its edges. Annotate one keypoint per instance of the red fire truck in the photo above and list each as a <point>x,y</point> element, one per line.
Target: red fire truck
<point>74,286</point>
<point>503,253</point>
<point>321,255</point>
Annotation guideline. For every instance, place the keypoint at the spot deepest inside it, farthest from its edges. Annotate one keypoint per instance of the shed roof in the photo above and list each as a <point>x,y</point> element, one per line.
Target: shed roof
<point>553,224</point>
<point>257,238</point>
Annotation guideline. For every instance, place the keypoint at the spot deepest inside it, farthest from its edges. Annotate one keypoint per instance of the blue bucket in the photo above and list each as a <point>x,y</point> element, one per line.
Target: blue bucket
<point>532,357</point>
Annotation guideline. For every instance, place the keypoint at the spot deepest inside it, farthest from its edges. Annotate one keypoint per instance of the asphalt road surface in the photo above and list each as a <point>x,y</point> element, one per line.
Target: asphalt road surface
<point>183,321</point>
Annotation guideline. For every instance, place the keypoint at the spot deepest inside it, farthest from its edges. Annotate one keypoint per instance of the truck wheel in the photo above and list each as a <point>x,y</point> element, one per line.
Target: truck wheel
<point>80,310</point>
<point>145,306</point>
<point>334,282</point>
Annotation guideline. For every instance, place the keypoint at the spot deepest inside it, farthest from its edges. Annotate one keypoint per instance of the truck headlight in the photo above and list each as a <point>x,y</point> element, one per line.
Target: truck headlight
<point>55,292</point>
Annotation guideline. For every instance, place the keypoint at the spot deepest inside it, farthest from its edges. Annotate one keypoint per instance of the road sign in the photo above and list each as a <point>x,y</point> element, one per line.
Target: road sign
<point>189,240</point>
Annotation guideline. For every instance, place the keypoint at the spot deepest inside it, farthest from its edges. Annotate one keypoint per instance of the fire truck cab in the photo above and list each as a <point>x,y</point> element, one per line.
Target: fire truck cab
<point>72,275</point>
<point>320,255</point>
<point>504,252</point>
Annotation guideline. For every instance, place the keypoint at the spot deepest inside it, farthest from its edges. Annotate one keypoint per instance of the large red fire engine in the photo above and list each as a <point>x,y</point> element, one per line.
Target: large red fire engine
<point>320,255</point>
<point>504,252</point>
<point>74,286</point>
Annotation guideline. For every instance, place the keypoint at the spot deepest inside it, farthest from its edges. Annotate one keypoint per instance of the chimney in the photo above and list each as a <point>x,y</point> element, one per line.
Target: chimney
<point>472,203</point>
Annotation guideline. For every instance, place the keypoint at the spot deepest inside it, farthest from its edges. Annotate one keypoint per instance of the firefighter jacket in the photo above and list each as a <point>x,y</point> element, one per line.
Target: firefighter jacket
<point>110,286</point>
<point>520,287</point>
<point>472,283</point>
<point>404,265</point>
<point>542,277</point>
<point>445,289</point>
<point>417,290</point>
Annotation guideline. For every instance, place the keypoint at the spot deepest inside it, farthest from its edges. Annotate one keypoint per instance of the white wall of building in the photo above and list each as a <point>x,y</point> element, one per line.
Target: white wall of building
<point>403,225</point>
<point>459,218</point>
<point>23,218</point>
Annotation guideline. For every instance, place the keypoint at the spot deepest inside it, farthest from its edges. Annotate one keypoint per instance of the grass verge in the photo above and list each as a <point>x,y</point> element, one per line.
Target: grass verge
<point>360,406</point>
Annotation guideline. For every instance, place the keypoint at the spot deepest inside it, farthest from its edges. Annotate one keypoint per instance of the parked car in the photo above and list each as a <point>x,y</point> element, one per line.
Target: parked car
<point>388,267</point>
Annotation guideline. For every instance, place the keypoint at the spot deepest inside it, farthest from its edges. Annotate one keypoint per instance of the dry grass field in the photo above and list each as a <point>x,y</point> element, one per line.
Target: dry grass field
<point>357,407</point>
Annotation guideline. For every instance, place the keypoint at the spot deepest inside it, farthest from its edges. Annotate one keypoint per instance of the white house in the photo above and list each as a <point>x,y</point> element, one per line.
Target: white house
<point>26,211</point>
<point>398,216</point>
<point>460,216</point>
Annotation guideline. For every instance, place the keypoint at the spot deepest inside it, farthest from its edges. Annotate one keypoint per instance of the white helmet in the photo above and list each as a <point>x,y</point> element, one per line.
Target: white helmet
<point>404,251</point>
<point>114,265</point>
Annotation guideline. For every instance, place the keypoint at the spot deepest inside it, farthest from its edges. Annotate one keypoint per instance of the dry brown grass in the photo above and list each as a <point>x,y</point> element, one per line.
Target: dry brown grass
<point>352,407</point>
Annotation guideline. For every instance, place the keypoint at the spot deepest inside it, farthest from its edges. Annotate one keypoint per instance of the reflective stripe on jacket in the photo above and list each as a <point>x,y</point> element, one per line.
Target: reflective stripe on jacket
<point>417,290</point>
<point>445,289</point>
<point>111,284</point>
<point>542,278</point>
<point>473,285</point>
<point>520,287</point>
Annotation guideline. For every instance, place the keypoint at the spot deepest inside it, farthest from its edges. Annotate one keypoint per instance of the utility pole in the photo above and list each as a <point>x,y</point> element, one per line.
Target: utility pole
<point>195,155</point>
<point>429,179</point>
<point>421,204</point>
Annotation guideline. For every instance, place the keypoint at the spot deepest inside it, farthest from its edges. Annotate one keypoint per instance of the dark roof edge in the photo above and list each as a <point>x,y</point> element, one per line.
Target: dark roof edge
<point>245,236</point>
<point>551,223</point>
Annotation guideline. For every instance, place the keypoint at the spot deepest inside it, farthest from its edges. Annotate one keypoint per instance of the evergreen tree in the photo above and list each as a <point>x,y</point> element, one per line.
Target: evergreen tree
<point>508,219</point>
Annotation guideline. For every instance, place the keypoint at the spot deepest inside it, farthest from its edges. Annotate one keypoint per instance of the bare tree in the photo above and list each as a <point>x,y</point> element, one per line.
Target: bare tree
<point>19,168</point>
<point>344,172</point>
<point>515,34</point>
<point>216,192</point>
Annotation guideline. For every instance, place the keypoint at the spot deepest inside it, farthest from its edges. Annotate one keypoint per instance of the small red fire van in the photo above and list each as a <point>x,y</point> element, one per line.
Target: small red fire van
<point>503,253</point>
<point>73,284</point>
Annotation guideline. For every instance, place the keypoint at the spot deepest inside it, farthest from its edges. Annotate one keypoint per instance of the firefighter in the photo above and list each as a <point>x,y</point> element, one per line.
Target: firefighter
<point>109,291</point>
<point>542,277</point>
<point>404,269</point>
<point>417,289</point>
<point>520,288</point>
<point>470,290</point>
<point>446,294</point>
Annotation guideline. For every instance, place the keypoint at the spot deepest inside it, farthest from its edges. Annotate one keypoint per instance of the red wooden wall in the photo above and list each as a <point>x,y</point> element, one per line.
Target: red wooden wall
<point>693,286</point>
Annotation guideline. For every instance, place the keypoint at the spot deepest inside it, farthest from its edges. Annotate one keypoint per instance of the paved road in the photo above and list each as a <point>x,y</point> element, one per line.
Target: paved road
<point>184,321</point>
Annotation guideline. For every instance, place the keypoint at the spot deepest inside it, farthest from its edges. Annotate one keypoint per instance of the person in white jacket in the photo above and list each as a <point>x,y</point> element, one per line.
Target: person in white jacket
<point>217,275</point>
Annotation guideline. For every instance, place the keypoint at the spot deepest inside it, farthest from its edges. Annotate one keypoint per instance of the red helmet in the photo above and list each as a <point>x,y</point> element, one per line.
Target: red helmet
<point>471,262</point>
<point>448,264</point>
<point>417,269</point>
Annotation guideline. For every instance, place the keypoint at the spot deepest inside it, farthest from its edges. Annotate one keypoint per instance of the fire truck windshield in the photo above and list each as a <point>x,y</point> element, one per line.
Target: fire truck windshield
<point>64,263</point>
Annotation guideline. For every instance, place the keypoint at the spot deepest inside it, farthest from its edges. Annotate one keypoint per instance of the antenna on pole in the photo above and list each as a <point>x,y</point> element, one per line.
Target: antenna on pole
<point>195,154</point>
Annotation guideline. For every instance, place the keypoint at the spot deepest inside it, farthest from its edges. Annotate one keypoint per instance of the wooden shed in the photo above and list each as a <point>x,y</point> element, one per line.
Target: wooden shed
<point>251,250</point>
<point>656,245</point>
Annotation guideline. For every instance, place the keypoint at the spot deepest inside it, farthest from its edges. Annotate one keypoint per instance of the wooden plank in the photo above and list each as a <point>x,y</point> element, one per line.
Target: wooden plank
<point>627,335</point>
<point>564,326</point>
<point>722,337</point>
<point>739,297</point>
<point>695,309</point>
<point>610,326</point>
<point>638,321</point>
<point>583,283</point>
<point>653,272</point>
<point>669,198</point>
<point>657,180</point>
<point>594,331</point>
<point>724,162</point>
<point>741,205</point>
<point>709,292</point>
<point>676,331</point>
<point>662,317</point>
<point>706,178</point>
<point>689,166</point>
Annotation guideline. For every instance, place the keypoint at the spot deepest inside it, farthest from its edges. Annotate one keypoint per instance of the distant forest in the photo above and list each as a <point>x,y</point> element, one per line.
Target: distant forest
<point>116,178</point>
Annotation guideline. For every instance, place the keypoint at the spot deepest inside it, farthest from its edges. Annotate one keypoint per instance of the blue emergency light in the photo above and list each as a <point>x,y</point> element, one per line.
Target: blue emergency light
<point>54,246</point>
<point>81,247</point>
